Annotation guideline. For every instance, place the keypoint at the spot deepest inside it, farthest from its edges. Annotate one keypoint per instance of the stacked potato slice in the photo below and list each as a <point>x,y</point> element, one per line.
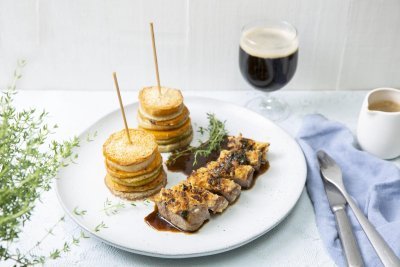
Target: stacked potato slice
<point>134,169</point>
<point>166,117</point>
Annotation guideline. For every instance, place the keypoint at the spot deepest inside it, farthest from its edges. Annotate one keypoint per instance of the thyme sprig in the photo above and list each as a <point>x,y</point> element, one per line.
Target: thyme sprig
<point>28,258</point>
<point>111,208</point>
<point>48,233</point>
<point>100,226</point>
<point>216,134</point>
<point>91,137</point>
<point>79,212</point>
<point>28,163</point>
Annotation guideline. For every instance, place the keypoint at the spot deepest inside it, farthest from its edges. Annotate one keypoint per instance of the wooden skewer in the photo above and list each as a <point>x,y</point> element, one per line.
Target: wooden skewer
<point>155,57</point>
<point>121,106</point>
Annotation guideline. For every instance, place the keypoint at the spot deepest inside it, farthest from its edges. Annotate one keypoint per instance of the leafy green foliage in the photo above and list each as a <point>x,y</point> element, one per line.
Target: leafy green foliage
<point>28,163</point>
<point>216,134</point>
<point>111,208</point>
<point>100,226</point>
<point>79,212</point>
<point>55,254</point>
<point>90,137</point>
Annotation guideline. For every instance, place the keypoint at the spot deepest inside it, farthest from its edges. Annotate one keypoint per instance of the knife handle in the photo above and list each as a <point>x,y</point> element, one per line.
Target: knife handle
<point>349,243</point>
<point>384,251</point>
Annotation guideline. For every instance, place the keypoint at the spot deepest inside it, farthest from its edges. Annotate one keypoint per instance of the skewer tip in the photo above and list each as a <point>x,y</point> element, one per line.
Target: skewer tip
<point>155,59</point>
<point>121,107</point>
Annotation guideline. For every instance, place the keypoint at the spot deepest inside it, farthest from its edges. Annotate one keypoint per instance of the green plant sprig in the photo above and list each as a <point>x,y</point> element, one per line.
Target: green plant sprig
<point>100,226</point>
<point>111,208</point>
<point>79,212</point>
<point>28,163</point>
<point>29,259</point>
<point>48,232</point>
<point>216,134</point>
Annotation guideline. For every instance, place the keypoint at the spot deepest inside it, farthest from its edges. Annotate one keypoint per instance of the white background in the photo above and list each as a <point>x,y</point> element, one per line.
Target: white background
<point>76,44</point>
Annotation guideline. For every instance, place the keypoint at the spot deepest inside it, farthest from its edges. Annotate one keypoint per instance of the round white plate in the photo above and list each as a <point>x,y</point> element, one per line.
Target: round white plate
<point>257,210</point>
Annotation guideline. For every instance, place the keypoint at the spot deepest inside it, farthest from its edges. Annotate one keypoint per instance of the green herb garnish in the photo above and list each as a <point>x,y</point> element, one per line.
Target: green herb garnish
<point>55,254</point>
<point>111,208</point>
<point>216,135</point>
<point>100,226</point>
<point>28,163</point>
<point>79,212</point>
<point>90,137</point>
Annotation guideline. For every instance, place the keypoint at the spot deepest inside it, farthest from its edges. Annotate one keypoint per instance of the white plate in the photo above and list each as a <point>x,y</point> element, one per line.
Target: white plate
<point>257,210</point>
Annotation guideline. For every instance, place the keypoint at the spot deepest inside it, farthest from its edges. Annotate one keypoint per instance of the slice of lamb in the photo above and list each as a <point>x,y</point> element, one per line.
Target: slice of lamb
<point>254,158</point>
<point>214,202</point>
<point>178,209</point>
<point>203,178</point>
<point>263,148</point>
<point>241,143</point>
<point>244,175</point>
<point>231,159</point>
<point>240,174</point>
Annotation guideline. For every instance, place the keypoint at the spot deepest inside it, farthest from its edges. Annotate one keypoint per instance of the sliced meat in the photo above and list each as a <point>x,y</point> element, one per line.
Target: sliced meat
<point>244,175</point>
<point>214,202</point>
<point>254,158</point>
<point>180,210</point>
<point>188,204</point>
<point>241,143</point>
<point>263,148</point>
<point>240,174</point>
<point>203,178</point>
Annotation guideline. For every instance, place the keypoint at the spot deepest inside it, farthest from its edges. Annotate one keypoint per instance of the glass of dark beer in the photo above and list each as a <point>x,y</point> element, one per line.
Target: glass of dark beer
<point>268,59</point>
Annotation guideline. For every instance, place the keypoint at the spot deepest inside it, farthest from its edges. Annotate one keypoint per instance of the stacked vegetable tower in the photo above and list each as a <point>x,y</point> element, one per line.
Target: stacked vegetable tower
<point>134,168</point>
<point>166,117</point>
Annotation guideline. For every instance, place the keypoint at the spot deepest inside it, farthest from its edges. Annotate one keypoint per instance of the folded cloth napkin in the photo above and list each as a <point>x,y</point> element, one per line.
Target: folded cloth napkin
<point>373,183</point>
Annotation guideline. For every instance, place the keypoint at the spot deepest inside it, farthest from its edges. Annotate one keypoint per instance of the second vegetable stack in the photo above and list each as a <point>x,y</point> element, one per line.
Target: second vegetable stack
<point>166,117</point>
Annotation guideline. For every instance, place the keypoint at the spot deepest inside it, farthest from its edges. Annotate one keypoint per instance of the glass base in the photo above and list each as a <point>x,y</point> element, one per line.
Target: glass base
<point>270,107</point>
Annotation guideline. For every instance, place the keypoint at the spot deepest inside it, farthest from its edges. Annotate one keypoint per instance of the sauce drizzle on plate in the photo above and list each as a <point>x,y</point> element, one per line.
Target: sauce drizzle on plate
<point>185,165</point>
<point>155,220</point>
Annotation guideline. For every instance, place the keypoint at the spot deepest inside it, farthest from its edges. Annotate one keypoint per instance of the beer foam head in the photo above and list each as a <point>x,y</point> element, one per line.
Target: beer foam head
<point>269,42</point>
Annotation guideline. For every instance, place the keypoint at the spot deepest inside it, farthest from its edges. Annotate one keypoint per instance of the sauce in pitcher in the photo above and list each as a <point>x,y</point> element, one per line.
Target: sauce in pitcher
<point>385,106</point>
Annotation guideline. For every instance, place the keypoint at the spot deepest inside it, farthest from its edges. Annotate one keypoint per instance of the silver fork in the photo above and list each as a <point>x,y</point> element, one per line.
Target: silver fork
<point>333,174</point>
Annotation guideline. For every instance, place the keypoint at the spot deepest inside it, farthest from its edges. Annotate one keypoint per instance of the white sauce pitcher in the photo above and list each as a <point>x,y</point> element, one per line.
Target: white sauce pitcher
<point>378,131</point>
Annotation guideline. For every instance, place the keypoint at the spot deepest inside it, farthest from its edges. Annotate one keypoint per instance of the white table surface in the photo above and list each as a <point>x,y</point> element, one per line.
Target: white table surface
<point>295,242</point>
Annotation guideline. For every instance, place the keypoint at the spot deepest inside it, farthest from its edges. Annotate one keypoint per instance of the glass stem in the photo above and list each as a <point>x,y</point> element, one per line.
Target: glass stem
<point>267,99</point>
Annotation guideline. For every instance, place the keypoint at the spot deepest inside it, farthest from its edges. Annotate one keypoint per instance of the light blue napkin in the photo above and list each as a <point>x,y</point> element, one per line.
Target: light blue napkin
<point>373,183</point>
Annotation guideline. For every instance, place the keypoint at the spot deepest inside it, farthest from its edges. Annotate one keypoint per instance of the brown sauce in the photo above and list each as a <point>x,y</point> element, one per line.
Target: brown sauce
<point>263,169</point>
<point>157,222</point>
<point>185,165</point>
<point>385,106</point>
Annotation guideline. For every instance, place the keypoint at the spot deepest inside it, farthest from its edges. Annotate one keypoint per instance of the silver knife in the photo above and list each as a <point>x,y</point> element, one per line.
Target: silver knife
<point>349,243</point>
<point>332,173</point>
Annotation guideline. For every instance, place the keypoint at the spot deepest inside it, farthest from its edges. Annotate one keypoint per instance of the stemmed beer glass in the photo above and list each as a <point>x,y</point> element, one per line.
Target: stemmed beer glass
<point>268,59</point>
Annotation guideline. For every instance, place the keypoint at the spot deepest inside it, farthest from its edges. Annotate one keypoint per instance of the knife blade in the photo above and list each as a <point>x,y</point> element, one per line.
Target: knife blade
<point>338,206</point>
